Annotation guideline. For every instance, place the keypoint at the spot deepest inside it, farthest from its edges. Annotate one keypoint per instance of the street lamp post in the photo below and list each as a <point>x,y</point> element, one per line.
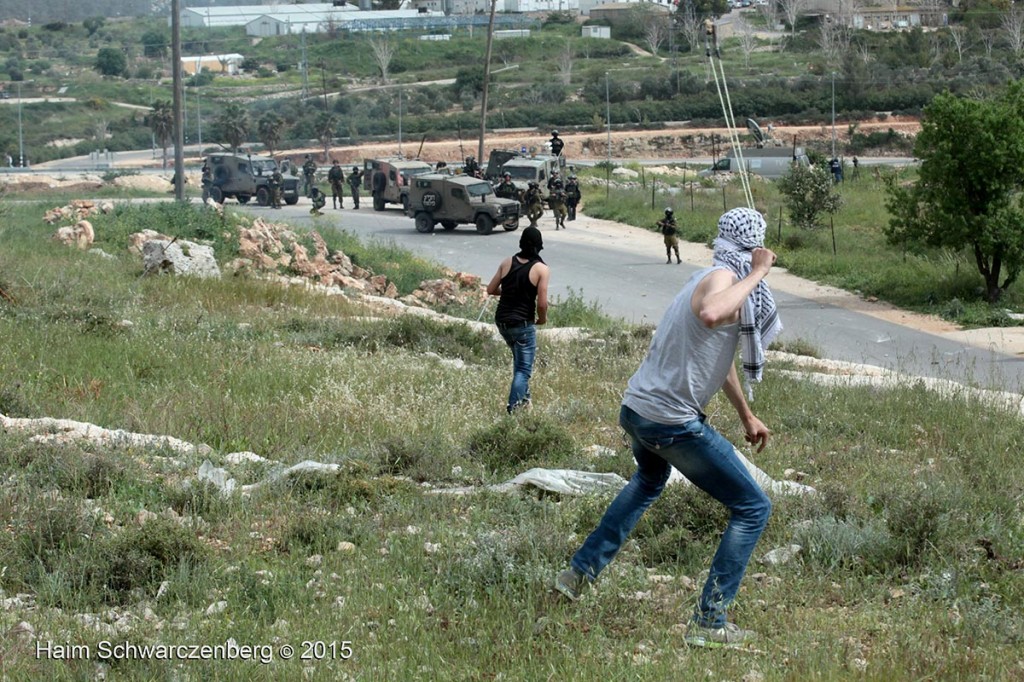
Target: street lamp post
<point>608,123</point>
<point>833,114</point>
<point>21,139</point>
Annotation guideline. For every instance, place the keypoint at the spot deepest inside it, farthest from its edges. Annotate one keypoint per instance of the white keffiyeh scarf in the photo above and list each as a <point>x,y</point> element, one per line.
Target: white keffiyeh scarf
<point>739,232</point>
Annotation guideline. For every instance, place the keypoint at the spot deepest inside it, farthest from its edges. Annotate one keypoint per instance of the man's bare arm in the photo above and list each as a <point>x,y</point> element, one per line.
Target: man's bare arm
<point>542,292</point>
<point>494,287</point>
<point>756,432</point>
<point>720,295</point>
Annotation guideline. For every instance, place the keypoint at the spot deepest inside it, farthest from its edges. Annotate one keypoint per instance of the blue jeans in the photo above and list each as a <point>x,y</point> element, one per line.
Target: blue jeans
<point>708,460</point>
<point>523,342</point>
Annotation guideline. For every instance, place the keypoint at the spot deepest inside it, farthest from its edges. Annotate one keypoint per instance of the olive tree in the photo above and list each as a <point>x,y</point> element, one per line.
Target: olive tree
<point>808,192</point>
<point>968,193</point>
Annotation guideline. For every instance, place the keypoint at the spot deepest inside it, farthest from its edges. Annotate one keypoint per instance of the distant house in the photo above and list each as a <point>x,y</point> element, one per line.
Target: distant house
<point>897,18</point>
<point>617,12</point>
<point>216,63</point>
<point>597,32</point>
<point>241,15</point>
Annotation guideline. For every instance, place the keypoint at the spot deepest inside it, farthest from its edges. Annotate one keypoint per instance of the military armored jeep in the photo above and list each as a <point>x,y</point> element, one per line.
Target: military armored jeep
<point>537,168</point>
<point>454,200</point>
<point>244,177</point>
<point>388,180</point>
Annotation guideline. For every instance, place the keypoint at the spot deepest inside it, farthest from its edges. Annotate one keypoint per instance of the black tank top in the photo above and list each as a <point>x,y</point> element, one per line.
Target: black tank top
<point>518,302</point>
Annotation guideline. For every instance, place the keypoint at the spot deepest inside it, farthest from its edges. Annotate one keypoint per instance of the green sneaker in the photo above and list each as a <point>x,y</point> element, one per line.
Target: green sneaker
<point>729,636</point>
<point>571,582</point>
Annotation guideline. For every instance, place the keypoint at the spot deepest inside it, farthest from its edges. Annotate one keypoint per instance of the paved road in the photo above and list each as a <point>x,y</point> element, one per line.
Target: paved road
<point>621,268</point>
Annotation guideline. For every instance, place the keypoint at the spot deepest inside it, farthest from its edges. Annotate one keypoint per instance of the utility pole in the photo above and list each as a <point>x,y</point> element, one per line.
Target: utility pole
<point>399,121</point>
<point>179,121</point>
<point>305,70</point>
<point>323,79</point>
<point>487,79</point>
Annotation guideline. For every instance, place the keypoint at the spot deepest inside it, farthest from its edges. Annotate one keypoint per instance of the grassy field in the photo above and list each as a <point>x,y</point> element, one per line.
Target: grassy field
<point>125,545</point>
<point>850,252</point>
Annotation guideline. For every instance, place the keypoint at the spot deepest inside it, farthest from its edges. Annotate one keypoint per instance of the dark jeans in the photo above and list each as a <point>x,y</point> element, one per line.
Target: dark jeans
<point>709,461</point>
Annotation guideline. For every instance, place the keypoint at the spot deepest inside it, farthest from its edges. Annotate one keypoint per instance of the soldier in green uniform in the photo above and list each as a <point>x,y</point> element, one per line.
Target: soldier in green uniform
<point>319,200</point>
<point>207,180</point>
<point>534,203</point>
<point>355,180</point>
<point>337,179</point>
<point>572,196</point>
<point>557,200</point>
<point>667,225</point>
<point>276,181</point>
<point>506,189</point>
<point>308,174</point>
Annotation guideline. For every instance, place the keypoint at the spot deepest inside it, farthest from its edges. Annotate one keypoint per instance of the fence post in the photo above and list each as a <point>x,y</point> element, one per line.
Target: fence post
<point>654,185</point>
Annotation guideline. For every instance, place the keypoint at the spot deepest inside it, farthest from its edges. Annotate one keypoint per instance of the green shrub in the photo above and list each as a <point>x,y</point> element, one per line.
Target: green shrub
<point>515,441</point>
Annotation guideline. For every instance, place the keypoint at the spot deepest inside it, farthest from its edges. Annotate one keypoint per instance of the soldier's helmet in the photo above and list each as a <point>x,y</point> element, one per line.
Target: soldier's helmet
<point>572,177</point>
<point>335,162</point>
<point>668,211</point>
<point>507,176</point>
<point>554,133</point>
<point>355,168</point>
<point>307,156</point>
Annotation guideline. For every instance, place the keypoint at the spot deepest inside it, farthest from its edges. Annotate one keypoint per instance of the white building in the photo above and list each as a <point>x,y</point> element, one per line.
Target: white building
<point>586,5</point>
<point>219,63</point>
<point>242,15</point>
<point>597,32</point>
<point>287,23</point>
<point>523,6</point>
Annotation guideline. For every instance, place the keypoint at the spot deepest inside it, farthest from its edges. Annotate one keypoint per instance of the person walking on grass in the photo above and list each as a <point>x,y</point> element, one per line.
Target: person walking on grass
<point>692,355</point>
<point>522,283</point>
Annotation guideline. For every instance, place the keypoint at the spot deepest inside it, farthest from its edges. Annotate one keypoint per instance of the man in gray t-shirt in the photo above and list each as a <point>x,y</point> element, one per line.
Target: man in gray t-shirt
<point>692,357</point>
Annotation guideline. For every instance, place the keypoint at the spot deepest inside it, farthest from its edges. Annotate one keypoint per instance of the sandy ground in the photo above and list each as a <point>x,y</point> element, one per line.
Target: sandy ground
<point>666,143</point>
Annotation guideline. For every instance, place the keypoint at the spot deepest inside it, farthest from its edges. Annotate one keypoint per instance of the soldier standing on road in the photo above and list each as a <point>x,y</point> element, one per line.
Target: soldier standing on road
<point>667,225</point>
<point>506,189</point>
<point>337,179</point>
<point>556,143</point>
<point>276,181</point>
<point>554,182</point>
<point>355,179</point>
<point>319,200</point>
<point>556,200</point>
<point>308,174</point>
<point>207,180</point>
<point>572,196</point>
<point>534,203</point>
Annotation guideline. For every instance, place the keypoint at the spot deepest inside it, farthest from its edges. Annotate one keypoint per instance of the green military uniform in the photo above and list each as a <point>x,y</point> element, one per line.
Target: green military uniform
<point>667,225</point>
<point>355,180</point>
<point>319,200</point>
<point>207,181</point>
<point>308,174</point>
<point>557,200</point>
<point>337,179</point>
<point>572,196</point>
<point>275,184</point>
<point>534,203</point>
<point>507,189</point>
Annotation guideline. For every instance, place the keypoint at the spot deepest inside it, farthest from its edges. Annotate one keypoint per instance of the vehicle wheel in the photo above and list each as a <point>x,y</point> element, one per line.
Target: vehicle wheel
<point>263,196</point>
<point>424,223</point>
<point>448,224</point>
<point>513,227</point>
<point>243,198</point>
<point>291,201</point>
<point>217,194</point>
<point>484,224</point>
<point>378,202</point>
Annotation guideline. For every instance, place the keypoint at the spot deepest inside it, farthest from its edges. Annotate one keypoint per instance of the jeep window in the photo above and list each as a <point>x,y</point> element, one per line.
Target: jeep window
<point>424,184</point>
<point>391,175</point>
<point>410,173</point>
<point>520,172</point>
<point>480,189</point>
<point>458,193</point>
<point>541,175</point>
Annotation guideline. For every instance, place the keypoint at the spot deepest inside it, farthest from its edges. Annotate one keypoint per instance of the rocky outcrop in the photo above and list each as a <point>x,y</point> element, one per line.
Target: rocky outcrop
<point>80,235</point>
<point>179,257</point>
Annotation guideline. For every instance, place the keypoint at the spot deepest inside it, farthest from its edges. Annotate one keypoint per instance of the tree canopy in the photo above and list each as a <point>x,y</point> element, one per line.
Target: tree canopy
<point>968,195</point>
<point>110,61</point>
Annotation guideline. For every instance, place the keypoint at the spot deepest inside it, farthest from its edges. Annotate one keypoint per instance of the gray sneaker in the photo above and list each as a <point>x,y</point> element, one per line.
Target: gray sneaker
<point>571,582</point>
<point>731,635</point>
